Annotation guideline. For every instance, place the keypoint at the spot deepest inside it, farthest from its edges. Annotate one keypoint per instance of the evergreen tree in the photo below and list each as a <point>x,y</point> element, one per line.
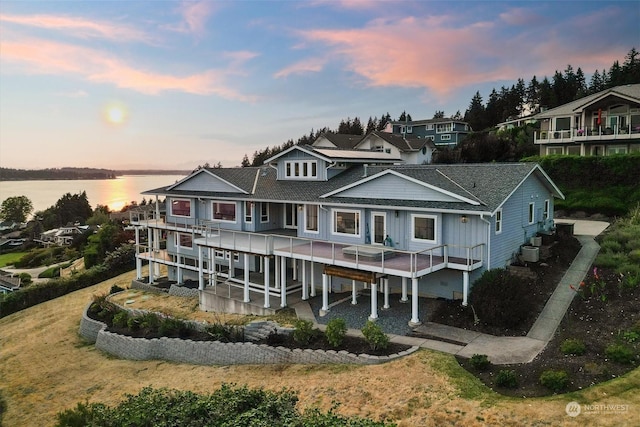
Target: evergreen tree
<point>532,96</point>
<point>616,77</point>
<point>439,114</point>
<point>372,125</point>
<point>245,162</point>
<point>403,117</point>
<point>384,119</point>
<point>631,67</point>
<point>356,127</point>
<point>476,114</point>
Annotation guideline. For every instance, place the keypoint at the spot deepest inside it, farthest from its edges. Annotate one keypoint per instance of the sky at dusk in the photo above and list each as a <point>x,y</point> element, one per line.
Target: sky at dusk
<point>162,84</point>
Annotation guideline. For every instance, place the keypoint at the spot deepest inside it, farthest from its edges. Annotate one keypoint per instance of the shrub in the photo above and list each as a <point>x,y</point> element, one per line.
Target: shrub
<point>115,289</point>
<point>507,378</point>
<point>225,333</point>
<point>572,346</point>
<point>374,336</point>
<point>620,353</point>
<point>171,327</point>
<point>150,321</point>
<point>554,380</point>
<point>480,362</point>
<point>336,331</point>
<point>121,319</point>
<point>501,299</point>
<point>134,322</point>
<point>25,279</point>
<point>303,332</point>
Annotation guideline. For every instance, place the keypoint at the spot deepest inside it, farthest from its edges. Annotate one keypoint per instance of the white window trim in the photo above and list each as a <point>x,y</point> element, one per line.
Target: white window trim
<point>333,222</point>
<point>248,211</point>
<point>436,234</point>
<point>373,226</point>
<point>178,243</point>
<point>448,129</point>
<point>531,213</point>
<point>218,254</point>
<point>290,168</point>
<point>182,200</point>
<point>445,137</point>
<point>498,226</point>
<point>213,202</point>
<point>306,230</point>
<point>547,207</point>
<point>262,217</point>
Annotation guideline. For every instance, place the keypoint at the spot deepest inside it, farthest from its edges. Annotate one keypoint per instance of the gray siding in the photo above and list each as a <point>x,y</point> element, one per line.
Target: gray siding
<point>395,188</point>
<point>206,182</point>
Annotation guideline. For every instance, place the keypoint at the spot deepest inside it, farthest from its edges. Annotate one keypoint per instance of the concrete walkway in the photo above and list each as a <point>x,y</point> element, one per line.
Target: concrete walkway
<point>505,350</point>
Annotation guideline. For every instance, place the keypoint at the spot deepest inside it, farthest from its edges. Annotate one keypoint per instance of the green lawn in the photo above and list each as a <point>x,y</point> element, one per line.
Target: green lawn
<point>11,258</point>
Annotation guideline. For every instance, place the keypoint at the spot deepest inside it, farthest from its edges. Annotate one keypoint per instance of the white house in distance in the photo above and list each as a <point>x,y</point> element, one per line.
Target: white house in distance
<point>320,220</point>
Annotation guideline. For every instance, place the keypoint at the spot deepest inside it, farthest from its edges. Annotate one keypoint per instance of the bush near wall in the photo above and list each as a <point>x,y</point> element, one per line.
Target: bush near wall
<point>117,262</point>
<point>594,184</point>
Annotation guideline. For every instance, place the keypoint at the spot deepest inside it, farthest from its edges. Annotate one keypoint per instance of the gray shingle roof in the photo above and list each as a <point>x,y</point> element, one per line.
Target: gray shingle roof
<point>342,140</point>
<point>489,184</point>
<point>403,143</point>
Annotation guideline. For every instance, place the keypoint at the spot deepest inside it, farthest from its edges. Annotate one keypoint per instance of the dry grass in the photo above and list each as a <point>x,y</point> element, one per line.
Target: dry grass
<point>46,367</point>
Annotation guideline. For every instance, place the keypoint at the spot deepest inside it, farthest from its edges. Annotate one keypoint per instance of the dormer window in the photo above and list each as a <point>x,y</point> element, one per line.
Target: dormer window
<point>301,169</point>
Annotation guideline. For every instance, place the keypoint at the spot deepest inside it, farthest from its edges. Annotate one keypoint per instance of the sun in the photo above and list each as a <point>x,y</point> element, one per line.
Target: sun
<point>115,115</point>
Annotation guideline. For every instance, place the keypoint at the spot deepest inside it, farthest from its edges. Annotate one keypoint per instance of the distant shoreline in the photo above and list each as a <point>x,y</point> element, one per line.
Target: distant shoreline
<point>77,174</point>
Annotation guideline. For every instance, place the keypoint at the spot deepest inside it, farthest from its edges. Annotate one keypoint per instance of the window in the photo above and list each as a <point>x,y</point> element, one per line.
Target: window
<point>424,228</point>
<point>617,150</point>
<point>219,254</point>
<point>563,123</point>
<point>180,207</point>
<point>248,211</point>
<point>499,221</point>
<point>301,169</point>
<point>554,150</point>
<point>224,211</point>
<point>428,127</point>
<point>346,222</point>
<point>184,240</point>
<point>446,137</point>
<point>532,211</point>
<point>444,127</point>
<point>545,214</point>
<point>311,218</point>
<point>264,212</point>
<point>409,129</point>
<point>387,150</point>
<point>378,148</point>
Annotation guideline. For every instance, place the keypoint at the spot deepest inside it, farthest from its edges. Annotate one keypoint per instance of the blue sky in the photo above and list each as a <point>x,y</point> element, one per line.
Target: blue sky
<point>162,84</point>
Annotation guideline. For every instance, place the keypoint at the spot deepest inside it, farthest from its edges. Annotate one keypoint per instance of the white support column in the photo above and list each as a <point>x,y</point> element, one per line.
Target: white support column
<point>312,281</point>
<point>294,267</point>
<point>283,281</point>
<point>266,282</point>
<point>179,275</point>
<point>212,268</point>
<point>415,321</point>
<point>246,277</point>
<point>325,295</point>
<point>354,294</point>
<point>232,269</point>
<point>386,305</point>
<point>151,254</point>
<point>404,290</point>
<point>200,270</point>
<point>276,280</point>
<point>138,260</point>
<point>305,287</point>
<point>465,288</point>
<point>374,301</point>
<point>156,246</point>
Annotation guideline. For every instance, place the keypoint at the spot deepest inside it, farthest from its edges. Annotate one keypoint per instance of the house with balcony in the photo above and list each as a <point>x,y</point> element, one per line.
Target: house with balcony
<point>444,132</point>
<point>317,221</point>
<point>605,123</point>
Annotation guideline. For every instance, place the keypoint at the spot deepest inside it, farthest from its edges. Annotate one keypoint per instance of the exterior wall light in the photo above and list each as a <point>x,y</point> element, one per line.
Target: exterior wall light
<point>464,219</point>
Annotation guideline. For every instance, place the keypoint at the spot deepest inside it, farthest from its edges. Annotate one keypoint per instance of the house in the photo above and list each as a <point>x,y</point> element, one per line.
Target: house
<point>321,220</point>
<point>412,150</point>
<point>62,236</point>
<point>607,122</point>
<point>8,282</point>
<point>444,132</point>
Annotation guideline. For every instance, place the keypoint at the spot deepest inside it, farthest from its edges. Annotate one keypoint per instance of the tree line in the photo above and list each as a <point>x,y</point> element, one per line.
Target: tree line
<point>519,100</point>
<point>9,174</point>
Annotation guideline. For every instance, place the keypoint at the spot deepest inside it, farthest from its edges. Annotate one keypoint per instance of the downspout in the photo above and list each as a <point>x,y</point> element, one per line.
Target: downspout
<point>488,240</point>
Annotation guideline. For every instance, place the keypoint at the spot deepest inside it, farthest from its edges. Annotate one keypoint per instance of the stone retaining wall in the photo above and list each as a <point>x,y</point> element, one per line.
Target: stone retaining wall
<point>214,352</point>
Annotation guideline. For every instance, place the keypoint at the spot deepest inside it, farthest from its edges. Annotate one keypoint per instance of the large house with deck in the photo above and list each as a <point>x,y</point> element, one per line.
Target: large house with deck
<point>605,123</point>
<point>443,132</point>
<point>316,221</point>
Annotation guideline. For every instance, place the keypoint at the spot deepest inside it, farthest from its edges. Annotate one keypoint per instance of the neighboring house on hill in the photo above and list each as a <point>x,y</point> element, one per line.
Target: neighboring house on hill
<point>412,150</point>
<point>311,222</point>
<point>445,132</point>
<point>8,283</point>
<point>62,236</point>
<point>604,123</point>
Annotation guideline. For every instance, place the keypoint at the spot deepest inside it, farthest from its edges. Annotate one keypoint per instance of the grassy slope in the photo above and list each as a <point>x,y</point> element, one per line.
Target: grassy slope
<point>10,258</point>
<point>46,368</point>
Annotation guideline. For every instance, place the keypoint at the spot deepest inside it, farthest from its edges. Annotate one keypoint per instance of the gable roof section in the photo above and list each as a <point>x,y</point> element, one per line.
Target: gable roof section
<point>304,148</point>
<point>391,185</point>
<point>218,180</point>
<point>626,92</point>
<point>357,156</point>
<point>341,140</point>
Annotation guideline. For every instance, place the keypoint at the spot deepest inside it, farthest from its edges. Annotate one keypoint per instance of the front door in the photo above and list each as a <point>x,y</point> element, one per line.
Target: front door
<point>290,215</point>
<point>379,225</point>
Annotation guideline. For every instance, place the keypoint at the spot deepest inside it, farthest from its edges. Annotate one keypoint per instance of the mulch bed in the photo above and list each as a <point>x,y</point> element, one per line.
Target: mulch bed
<point>595,322</point>
<point>547,275</point>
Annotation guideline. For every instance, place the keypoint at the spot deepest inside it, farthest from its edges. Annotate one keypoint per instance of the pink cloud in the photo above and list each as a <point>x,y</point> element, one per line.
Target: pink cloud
<point>79,27</point>
<point>46,57</point>
<point>194,17</point>
<point>520,16</point>
<point>305,66</point>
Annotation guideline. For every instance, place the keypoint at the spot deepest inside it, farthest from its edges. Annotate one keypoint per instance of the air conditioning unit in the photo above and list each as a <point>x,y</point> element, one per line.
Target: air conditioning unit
<point>530,254</point>
<point>536,241</point>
